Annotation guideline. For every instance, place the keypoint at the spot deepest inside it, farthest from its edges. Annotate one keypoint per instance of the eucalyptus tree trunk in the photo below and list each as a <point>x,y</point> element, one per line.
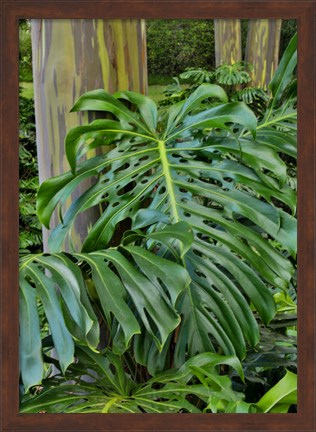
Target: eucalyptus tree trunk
<point>262,49</point>
<point>227,41</point>
<point>71,57</point>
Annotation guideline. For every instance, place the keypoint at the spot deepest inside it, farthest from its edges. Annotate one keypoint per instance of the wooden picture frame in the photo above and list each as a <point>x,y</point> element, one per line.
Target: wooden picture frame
<point>304,12</point>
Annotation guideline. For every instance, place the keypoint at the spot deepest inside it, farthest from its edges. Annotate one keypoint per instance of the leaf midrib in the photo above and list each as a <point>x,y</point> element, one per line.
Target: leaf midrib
<point>168,179</point>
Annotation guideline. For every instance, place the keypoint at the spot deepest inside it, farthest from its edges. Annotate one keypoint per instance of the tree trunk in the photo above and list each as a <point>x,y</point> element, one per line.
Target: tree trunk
<point>262,50</point>
<point>71,57</point>
<point>227,41</point>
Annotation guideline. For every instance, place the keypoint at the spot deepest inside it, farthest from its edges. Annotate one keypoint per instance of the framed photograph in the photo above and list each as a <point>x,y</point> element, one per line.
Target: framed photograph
<point>158,224</point>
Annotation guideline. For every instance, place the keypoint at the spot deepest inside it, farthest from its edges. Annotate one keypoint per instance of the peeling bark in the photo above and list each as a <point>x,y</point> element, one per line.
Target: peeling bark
<point>71,57</point>
<point>227,41</point>
<point>262,50</point>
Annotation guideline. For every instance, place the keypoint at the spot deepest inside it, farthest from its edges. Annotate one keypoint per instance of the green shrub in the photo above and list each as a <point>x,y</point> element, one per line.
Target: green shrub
<point>173,45</point>
<point>25,51</point>
<point>289,27</point>
<point>233,78</point>
<point>30,236</point>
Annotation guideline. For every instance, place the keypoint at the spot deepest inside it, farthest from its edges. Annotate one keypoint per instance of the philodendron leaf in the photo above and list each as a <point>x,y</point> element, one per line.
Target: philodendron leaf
<point>134,287</point>
<point>100,100</point>
<point>154,304</point>
<point>80,140</point>
<point>145,105</point>
<point>157,269</point>
<point>202,170</point>
<point>284,72</point>
<point>30,346</point>
<point>45,288</point>
<point>145,217</point>
<point>181,231</point>
<point>280,397</point>
<point>68,311</point>
<point>180,111</point>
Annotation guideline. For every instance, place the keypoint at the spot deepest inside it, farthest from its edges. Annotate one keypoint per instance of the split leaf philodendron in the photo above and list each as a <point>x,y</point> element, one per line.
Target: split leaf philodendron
<point>133,286</point>
<point>196,235</point>
<point>194,167</point>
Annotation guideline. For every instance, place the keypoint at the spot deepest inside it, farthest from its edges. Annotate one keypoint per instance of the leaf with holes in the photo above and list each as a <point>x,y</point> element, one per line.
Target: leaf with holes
<point>198,167</point>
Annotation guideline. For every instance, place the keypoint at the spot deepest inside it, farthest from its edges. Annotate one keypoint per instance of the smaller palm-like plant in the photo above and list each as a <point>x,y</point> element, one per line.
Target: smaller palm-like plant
<point>233,78</point>
<point>232,75</point>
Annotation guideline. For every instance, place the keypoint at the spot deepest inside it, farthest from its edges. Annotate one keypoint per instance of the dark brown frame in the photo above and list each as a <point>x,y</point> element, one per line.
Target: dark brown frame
<point>304,12</point>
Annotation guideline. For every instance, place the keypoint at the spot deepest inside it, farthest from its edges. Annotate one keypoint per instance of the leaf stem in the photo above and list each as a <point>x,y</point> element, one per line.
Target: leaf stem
<point>169,182</point>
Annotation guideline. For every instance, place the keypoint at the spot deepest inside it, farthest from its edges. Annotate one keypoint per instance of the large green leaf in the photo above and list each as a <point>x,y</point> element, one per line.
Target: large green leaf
<point>218,182</point>
<point>30,346</point>
<point>226,400</point>
<point>148,296</point>
<point>31,273</point>
<point>284,72</point>
<point>133,287</point>
<point>277,129</point>
<point>280,397</point>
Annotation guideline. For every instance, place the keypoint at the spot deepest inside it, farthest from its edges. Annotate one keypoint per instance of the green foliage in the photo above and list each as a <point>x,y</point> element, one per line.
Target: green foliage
<point>196,76</point>
<point>176,390</point>
<point>197,386</point>
<point>223,399</point>
<point>25,51</point>
<point>173,45</point>
<point>288,30</point>
<point>129,283</point>
<point>184,172</point>
<point>194,253</point>
<point>233,78</point>
<point>278,127</point>
<point>30,236</point>
<point>232,75</point>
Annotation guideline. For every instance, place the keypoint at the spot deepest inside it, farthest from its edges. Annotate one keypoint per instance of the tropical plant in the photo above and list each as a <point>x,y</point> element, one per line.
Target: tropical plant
<point>278,127</point>
<point>179,176</point>
<point>233,78</point>
<point>25,51</point>
<point>233,74</point>
<point>197,386</point>
<point>196,238</point>
<point>173,45</point>
<point>169,173</point>
<point>114,390</point>
<point>129,283</point>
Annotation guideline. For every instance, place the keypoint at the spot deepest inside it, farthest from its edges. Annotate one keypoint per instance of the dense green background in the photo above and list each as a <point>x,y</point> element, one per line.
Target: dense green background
<point>172,46</point>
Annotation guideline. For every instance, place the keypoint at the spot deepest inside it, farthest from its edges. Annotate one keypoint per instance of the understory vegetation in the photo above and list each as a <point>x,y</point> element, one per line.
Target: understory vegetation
<point>183,296</point>
<point>175,45</point>
<point>30,229</point>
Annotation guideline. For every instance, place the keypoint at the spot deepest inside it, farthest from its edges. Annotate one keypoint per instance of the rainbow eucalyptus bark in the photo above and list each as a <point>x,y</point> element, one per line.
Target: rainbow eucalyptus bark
<point>262,50</point>
<point>71,57</point>
<point>227,41</point>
